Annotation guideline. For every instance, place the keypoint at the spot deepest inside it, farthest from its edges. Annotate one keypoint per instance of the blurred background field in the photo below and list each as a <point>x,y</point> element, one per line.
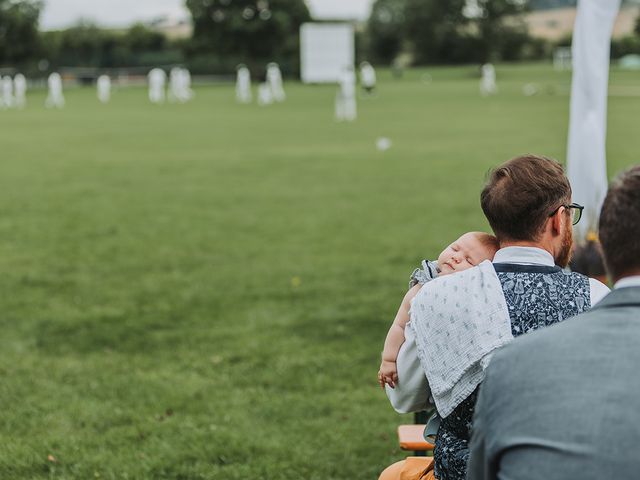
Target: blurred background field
<point>201,291</point>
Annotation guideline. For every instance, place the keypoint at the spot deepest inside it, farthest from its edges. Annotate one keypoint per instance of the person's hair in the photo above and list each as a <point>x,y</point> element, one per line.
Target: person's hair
<point>587,260</point>
<point>487,240</point>
<point>620,224</point>
<point>520,194</point>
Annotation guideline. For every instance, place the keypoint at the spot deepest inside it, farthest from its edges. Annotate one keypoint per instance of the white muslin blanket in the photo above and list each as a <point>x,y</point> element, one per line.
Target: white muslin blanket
<point>458,321</point>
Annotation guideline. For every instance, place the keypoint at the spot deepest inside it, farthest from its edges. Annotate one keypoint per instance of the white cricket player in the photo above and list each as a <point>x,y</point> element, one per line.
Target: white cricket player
<point>186,85</point>
<point>6,85</point>
<point>346,107</point>
<point>55,98</point>
<point>157,80</point>
<point>20,90</point>
<point>488,81</point>
<point>368,78</point>
<point>243,85</point>
<point>176,89</point>
<point>274,79</point>
<point>104,88</point>
<point>265,94</point>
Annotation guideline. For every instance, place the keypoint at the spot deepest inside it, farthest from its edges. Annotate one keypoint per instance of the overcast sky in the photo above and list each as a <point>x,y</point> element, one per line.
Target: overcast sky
<point>61,13</point>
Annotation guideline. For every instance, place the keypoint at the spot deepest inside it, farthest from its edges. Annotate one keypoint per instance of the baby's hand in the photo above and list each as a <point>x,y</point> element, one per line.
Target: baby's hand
<point>388,374</point>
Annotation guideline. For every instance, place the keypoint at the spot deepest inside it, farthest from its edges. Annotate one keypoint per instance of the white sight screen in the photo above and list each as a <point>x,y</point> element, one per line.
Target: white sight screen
<point>325,49</point>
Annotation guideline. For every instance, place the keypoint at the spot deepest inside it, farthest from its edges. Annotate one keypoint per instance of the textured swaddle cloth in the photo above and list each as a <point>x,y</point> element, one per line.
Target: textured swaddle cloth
<point>458,320</point>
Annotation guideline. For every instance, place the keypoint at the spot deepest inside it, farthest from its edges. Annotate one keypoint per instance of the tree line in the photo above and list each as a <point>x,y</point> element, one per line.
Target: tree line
<point>255,32</point>
<point>450,31</point>
<point>24,46</point>
<point>226,33</point>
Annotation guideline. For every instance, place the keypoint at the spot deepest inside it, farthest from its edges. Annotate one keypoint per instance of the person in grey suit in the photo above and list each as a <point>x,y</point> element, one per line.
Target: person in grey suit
<point>564,402</point>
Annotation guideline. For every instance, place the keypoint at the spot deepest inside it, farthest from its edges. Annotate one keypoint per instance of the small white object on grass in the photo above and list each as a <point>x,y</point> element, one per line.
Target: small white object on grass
<point>383,144</point>
<point>530,89</point>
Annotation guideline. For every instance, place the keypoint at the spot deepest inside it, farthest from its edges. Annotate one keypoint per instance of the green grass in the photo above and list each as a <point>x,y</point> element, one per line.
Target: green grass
<point>201,291</point>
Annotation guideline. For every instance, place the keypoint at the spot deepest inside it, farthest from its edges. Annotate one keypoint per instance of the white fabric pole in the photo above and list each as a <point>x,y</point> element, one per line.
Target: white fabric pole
<point>586,155</point>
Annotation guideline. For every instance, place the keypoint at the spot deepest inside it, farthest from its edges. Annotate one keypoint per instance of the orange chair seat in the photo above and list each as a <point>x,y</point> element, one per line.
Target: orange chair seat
<point>411,468</point>
<point>412,438</point>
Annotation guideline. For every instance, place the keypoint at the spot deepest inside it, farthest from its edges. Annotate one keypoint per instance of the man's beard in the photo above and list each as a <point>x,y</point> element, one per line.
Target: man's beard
<point>564,255</point>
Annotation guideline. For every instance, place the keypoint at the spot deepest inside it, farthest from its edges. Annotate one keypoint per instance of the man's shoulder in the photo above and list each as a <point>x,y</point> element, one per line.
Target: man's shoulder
<point>578,276</point>
<point>597,289</point>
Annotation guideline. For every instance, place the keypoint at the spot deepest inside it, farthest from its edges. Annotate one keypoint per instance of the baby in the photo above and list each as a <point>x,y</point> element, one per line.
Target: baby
<point>468,251</point>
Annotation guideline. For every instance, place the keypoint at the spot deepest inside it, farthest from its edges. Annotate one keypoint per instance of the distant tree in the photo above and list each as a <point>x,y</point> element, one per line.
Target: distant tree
<point>87,45</point>
<point>147,47</point>
<point>385,30</point>
<point>499,26</point>
<point>19,38</point>
<point>435,29</point>
<point>450,31</point>
<point>81,44</point>
<point>248,31</point>
<point>637,26</point>
<point>140,38</point>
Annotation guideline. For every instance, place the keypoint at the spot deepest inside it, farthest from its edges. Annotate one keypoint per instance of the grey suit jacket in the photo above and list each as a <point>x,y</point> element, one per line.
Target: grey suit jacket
<point>564,402</point>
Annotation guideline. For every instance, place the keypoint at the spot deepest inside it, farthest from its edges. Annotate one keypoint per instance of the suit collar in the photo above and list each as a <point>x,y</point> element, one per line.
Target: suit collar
<point>621,297</point>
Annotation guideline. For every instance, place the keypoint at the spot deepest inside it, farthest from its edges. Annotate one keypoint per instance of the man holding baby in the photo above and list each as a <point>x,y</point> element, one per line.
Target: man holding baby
<point>457,321</point>
<point>576,416</point>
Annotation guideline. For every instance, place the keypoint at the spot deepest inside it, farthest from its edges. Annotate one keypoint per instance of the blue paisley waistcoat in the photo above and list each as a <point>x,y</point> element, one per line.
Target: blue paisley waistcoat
<point>537,296</point>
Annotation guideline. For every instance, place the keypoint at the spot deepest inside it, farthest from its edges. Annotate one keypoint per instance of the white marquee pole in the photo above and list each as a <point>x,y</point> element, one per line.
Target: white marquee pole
<point>586,155</point>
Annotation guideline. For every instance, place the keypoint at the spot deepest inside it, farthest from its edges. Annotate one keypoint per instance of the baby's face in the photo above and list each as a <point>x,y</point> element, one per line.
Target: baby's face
<point>466,252</point>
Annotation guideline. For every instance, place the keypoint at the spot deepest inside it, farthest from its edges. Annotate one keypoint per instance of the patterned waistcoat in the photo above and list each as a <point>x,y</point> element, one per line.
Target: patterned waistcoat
<point>537,296</point>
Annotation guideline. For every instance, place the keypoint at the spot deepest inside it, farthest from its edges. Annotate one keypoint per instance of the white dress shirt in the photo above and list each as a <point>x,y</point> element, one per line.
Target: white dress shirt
<point>625,282</point>
<point>411,393</point>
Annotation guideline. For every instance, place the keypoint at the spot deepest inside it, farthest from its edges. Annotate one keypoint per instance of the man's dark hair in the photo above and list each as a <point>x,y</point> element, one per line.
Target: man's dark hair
<point>521,193</point>
<point>620,224</point>
<point>587,259</point>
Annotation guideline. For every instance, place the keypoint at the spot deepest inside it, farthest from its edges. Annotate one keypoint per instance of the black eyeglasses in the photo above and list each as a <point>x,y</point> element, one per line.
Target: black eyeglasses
<point>575,210</point>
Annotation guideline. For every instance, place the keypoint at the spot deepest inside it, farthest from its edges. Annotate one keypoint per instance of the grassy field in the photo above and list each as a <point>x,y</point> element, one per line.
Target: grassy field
<point>201,291</point>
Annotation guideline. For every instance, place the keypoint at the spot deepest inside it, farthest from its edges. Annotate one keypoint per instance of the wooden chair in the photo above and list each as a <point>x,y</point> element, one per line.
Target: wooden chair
<point>411,467</point>
<point>411,437</point>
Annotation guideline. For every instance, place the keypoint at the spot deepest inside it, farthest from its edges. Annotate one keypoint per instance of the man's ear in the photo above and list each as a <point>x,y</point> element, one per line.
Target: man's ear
<point>556,221</point>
